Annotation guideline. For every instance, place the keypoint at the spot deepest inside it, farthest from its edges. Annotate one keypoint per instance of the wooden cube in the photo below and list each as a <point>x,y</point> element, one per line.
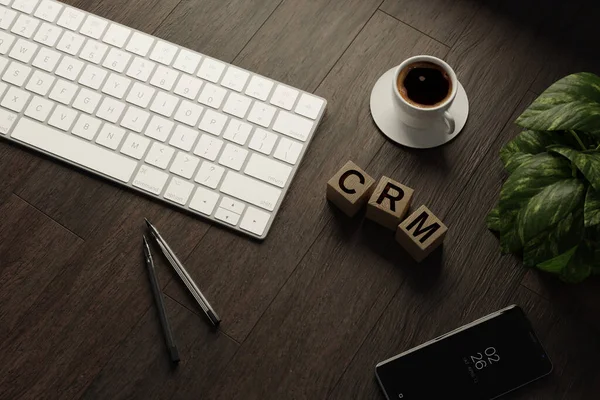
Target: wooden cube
<point>421,233</point>
<point>389,203</point>
<point>350,188</point>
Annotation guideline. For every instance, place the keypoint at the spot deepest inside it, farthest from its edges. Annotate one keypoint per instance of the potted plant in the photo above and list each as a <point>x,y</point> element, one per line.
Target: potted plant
<point>549,206</point>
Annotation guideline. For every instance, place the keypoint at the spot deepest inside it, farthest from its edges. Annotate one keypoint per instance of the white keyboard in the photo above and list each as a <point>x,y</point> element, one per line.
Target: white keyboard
<point>201,134</point>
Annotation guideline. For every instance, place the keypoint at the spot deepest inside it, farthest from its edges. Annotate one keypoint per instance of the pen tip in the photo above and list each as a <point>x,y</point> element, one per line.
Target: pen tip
<point>145,240</point>
<point>148,223</point>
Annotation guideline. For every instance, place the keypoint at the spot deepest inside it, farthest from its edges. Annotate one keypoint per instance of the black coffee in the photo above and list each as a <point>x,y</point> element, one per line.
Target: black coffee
<point>424,84</point>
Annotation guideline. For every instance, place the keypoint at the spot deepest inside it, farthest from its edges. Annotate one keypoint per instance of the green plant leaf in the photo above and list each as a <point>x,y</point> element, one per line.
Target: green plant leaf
<point>530,178</point>
<point>558,263</point>
<point>557,239</point>
<point>549,206</point>
<point>579,266</point>
<point>592,207</point>
<point>588,163</point>
<point>572,103</point>
<point>493,220</point>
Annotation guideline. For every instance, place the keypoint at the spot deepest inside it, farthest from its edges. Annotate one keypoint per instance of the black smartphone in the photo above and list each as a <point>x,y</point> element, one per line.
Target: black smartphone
<point>482,360</point>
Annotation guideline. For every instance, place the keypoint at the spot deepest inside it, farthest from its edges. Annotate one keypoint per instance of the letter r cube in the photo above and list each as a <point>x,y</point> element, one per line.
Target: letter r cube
<point>389,203</point>
<point>350,188</point>
<point>421,233</point>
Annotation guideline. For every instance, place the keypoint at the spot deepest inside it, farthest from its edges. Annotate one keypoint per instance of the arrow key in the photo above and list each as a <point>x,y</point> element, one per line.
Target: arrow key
<point>227,216</point>
<point>255,221</point>
<point>232,205</point>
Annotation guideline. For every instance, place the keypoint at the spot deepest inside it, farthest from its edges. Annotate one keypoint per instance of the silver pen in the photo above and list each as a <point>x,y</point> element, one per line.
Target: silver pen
<point>183,274</point>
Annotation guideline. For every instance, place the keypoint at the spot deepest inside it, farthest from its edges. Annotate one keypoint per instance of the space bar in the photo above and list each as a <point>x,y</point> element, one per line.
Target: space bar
<point>75,150</point>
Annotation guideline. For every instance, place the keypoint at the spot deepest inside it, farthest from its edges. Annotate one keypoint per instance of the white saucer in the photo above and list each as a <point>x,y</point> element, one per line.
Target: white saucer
<point>384,110</point>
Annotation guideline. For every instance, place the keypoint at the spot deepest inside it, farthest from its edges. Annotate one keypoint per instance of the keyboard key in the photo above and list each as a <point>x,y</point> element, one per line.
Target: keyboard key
<point>159,128</point>
<point>164,78</point>
<point>255,221</point>
<point>188,113</point>
<point>116,35</point>
<point>69,68</point>
<point>93,51</point>
<point>7,119</point>
<point>135,119</point>
<point>212,95</point>
<point>164,104</point>
<point>309,106</point>
<point>204,201</point>
<point>46,59</point>
<point>188,86</point>
<point>63,91</point>
<point>163,52</point>
<point>116,86</point>
<point>268,170</point>
<point>47,34</point>
<point>23,51</point>
<point>7,16</point>
<point>150,179</point>
<point>250,190</point>
<point>135,146</point>
<point>183,138</point>
<point>209,174</point>
<point>70,43</point>
<point>213,122</point>
<point>63,117</point>
<point>3,64</point>
<point>116,60</point>
<point>6,41</point>
<point>39,108</point>
<point>179,190</point>
<point>208,147</point>
<point>211,70</point>
<point>86,126</point>
<point>110,136</point>
<point>184,165</point>
<point>26,6</point>
<point>263,141</point>
<point>259,88</point>
<point>262,114</point>
<point>233,156</point>
<point>140,69</point>
<point>227,216</point>
<point>293,126</point>
<point>86,100</point>
<point>140,95</point>
<point>16,73</point>
<point>237,131</point>
<point>284,97</point>
<point>92,76</point>
<point>140,44</point>
<point>71,18</point>
<point>288,151</point>
<point>187,61</point>
<point>232,205</point>
<point>235,78</point>
<point>237,105</point>
<point>40,83</point>
<point>25,26</point>
<point>48,10</point>
<point>160,155</point>
<point>110,109</point>
<point>93,27</point>
<point>76,150</point>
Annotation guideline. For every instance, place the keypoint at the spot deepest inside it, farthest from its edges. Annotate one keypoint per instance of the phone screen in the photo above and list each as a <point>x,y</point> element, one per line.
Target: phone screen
<point>483,361</point>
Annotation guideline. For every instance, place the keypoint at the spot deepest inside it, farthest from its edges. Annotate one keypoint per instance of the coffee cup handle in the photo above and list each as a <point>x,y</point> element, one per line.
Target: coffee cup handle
<point>450,122</point>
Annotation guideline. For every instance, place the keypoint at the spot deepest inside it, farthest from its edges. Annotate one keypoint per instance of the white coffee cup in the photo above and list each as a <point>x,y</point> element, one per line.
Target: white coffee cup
<point>426,117</point>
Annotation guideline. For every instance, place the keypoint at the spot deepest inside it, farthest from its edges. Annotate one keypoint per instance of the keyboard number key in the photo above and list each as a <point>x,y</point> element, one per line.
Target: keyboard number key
<point>25,26</point>
<point>209,175</point>
<point>93,27</point>
<point>116,60</point>
<point>212,95</point>
<point>140,69</point>
<point>188,86</point>
<point>47,34</point>
<point>150,179</point>
<point>6,17</point>
<point>288,151</point>
<point>211,70</point>
<point>235,78</point>
<point>204,201</point>
<point>70,43</point>
<point>179,191</point>
<point>164,78</point>
<point>93,51</point>
<point>259,88</point>
<point>284,97</point>
<point>255,221</point>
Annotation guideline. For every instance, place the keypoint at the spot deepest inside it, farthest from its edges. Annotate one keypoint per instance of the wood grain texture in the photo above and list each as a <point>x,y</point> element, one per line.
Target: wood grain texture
<point>443,20</point>
<point>15,165</point>
<point>246,276</point>
<point>218,28</point>
<point>140,369</point>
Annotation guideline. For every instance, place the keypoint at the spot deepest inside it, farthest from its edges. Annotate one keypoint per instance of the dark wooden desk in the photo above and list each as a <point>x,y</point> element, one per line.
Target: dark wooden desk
<point>307,313</point>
